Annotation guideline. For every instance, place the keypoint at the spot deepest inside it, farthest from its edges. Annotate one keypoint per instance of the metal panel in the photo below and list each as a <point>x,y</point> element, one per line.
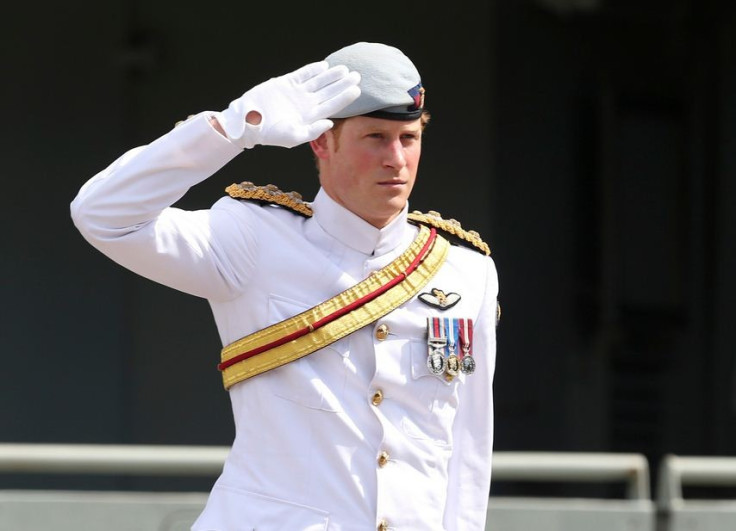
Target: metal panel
<point>108,511</point>
<point>563,514</point>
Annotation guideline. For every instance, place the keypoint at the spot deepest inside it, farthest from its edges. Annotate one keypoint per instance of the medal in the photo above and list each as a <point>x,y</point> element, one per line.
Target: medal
<point>436,343</point>
<point>452,366</point>
<point>467,363</point>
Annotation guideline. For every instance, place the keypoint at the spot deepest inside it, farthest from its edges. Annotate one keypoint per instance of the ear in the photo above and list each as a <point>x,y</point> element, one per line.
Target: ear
<point>320,146</point>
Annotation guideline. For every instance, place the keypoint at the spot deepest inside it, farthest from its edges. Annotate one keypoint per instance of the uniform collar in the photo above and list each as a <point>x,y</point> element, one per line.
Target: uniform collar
<point>356,233</point>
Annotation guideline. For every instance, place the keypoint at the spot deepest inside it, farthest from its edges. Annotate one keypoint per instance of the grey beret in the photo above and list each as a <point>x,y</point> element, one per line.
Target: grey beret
<point>390,84</point>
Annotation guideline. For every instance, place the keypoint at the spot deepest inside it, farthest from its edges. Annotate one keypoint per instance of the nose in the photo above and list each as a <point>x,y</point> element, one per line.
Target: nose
<point>394,155</point>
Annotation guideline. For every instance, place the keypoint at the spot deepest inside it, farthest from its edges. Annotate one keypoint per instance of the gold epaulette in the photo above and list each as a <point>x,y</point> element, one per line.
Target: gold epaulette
<point>452,228</point>
<point>270,194</point>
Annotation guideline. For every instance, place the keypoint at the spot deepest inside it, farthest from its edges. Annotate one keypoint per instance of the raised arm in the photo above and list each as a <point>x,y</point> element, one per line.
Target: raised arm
<point>125,210</point>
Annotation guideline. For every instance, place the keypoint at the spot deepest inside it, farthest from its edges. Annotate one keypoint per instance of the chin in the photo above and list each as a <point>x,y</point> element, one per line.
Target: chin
<point>393,209</point>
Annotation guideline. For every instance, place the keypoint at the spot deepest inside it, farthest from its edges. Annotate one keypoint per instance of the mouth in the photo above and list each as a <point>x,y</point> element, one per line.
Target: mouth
<point>392,182</point>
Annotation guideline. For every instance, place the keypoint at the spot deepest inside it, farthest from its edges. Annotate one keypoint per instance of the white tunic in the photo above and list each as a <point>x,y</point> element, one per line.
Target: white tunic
<point>310,435</point>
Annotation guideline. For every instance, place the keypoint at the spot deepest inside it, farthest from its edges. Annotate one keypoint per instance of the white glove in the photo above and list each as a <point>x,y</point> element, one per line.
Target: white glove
<point>293,108</point>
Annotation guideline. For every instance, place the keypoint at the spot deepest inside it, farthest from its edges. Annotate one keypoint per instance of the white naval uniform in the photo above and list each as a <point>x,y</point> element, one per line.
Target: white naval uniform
<point>315,448</point>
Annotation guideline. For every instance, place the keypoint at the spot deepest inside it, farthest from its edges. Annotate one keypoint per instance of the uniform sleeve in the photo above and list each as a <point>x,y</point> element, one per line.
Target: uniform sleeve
<point>125,212</point>
<point>470,464</point>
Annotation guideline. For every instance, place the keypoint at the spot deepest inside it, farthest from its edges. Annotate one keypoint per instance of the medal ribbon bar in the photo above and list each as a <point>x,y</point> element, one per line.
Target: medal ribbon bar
<point>467,362</point>
<point>453,362</point>
<point>436,344</point>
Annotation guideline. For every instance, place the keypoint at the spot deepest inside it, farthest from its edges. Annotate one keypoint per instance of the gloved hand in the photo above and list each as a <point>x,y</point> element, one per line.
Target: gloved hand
<point>293,108</point>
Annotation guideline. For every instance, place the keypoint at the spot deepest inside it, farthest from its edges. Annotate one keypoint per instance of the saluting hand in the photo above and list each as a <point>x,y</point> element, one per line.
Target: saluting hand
<point>292,109</point>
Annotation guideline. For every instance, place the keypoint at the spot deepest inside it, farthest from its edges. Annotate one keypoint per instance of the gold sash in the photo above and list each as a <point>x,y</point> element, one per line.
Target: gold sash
<point>369,300</point>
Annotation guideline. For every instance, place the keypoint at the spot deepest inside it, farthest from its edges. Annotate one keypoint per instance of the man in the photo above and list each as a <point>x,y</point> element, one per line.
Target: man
<point>359,344</point>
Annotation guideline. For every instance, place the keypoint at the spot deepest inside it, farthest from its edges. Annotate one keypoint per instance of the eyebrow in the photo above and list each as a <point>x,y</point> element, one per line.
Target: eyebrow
<point>385,129</point>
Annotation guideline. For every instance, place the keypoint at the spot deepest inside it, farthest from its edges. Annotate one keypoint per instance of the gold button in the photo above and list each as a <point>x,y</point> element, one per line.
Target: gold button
<point>377,398</point>
<point>382,332</point>
<point>382,459</point>
<point>383,525</point>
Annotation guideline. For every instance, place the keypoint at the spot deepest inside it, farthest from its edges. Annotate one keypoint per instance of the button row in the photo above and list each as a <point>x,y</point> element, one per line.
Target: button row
<point>382,332</point>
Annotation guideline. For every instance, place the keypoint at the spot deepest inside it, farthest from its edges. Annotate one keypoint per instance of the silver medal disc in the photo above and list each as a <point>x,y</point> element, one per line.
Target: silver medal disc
<point>436,362</point>
<point>467,365</point>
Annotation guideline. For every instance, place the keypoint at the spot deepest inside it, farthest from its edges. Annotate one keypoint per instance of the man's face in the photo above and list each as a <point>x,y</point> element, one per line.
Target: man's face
<point>369,166</point>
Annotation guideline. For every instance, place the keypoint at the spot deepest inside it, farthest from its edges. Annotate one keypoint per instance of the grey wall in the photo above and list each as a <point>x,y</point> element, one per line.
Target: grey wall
<point>592,149</point>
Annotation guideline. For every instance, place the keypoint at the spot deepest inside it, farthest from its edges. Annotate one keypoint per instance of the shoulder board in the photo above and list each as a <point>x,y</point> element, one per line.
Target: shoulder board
<point>270,194</point>
<point>452,229</point>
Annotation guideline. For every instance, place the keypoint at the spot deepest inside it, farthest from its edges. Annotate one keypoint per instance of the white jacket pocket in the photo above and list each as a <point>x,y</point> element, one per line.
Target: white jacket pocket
<point>231,509</point>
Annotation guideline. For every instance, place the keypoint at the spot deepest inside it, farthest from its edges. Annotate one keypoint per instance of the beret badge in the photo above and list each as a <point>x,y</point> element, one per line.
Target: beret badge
<point>417,94</point>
